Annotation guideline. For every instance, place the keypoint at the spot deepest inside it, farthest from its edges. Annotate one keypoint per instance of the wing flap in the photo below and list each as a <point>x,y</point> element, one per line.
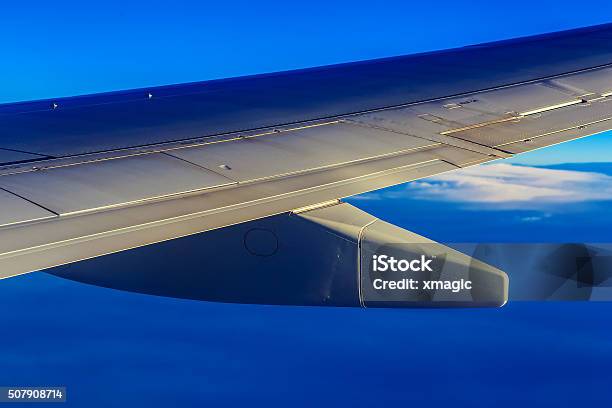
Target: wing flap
<point>300,150</point>
<point>71,238</point>
<point>103,184</point>
<point>15,209</point>
<point>558,137</point>
<point>537,125</point>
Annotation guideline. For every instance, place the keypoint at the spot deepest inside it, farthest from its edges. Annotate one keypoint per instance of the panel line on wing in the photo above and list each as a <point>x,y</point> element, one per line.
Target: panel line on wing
<point>443,139</point>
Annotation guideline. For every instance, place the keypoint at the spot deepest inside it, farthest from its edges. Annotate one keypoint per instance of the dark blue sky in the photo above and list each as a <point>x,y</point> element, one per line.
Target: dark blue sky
<point>119,349</point>
<point>57,48</point>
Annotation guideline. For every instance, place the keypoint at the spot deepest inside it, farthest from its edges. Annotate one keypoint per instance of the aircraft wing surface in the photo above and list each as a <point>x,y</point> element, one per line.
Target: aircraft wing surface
<point>87,176</point>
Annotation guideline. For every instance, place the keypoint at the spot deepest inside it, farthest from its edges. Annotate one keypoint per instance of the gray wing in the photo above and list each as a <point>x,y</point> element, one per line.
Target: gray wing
<point>81,198</point>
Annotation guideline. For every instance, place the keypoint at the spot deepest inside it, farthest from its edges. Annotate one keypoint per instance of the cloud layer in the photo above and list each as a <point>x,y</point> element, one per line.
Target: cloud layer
<point>518,186</point>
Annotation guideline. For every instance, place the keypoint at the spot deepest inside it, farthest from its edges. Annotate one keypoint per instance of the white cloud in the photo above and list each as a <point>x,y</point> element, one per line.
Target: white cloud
<point>515,186</point>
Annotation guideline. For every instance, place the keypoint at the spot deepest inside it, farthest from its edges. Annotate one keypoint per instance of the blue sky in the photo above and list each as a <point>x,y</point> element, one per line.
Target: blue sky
<point>597,148</point>
<point>107,345</point>
<point>57,48</point>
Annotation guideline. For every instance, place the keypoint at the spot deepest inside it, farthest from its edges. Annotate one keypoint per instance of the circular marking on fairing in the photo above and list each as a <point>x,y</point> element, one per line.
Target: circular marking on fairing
<point>261,242</point>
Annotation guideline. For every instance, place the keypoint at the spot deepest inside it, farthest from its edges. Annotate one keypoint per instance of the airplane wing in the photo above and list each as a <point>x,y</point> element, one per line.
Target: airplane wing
<point>93,175</point>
